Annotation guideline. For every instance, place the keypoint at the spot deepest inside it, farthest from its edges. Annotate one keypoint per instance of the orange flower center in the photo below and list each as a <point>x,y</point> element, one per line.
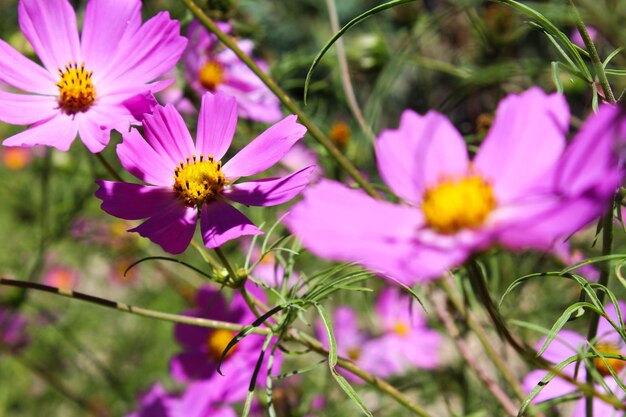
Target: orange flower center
<point>615,364</point>
<point>76,91</point>
<point>198,180</point>
<point>211,75</point>
<point>217,342</point>
<point>454,205</point>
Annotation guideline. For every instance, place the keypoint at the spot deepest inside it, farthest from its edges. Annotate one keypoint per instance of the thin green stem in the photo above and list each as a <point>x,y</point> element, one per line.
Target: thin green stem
<point>175,318</point>
<point>605,272</point>
<point>593,54</point>
<point>225,262</point>
<point>313,130</point>
<point>108,167</point>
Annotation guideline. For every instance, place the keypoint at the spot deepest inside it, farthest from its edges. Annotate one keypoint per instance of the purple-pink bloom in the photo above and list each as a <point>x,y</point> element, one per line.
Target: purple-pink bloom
<point>203,347</point>
<point>156,403</point>
<point>523,189</point>
<point>204,399</point>
<point>13,334</point>
<point>190,180</point>
<point>568,343</point>
<point>89,85</point>
<point>209,68</point>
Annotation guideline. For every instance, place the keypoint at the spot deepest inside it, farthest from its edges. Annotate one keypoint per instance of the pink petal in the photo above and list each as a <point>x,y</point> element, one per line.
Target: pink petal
<point>266,150</point>
<point>419,153</point>
<point>59,132</point>
<point>133,201</point>
<point>25,109</point>
<point>50,27</point>
<point>216,124</point>
<point>220,222</point>
<point>342,224</point>
<point>606,332</point>
<point>22,73</point>
<point>525,142</point>
<point>149,53</point>
<point>555,388</point>
<point>94,131</point>
<point>270,191</point>
<point>143,161</point>
<point>166,132</point>
<point>106,23</point>
<point>172,228</point>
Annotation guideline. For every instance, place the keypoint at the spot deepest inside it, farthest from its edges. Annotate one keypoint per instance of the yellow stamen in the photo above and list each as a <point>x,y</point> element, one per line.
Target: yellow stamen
<point>198,180</point>
<point>217,342</point>
<point>453,205</point>
<point>615,364</point>
<point>76,91</point>
<point>211,75</point>
<point>401,328</point>
<point>354,353</point>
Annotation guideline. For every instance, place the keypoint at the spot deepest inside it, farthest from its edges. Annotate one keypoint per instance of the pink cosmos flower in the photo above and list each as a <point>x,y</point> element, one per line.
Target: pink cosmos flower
<point>209,68</point>
<point>89,85</point>
<point>523,189</point>
<point>567,344</point>
<point>203,347</point>
<point>61,277</point>
<point>13,334</point>
<point>189,177</point>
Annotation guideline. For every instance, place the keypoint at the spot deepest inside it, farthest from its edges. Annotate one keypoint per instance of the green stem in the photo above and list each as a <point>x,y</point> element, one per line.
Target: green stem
<point>224,260</point>
<point>605,272</point>
<point>593,54</point>
<point>175,318</point>
<point>108,167</point>
<point>313,130</point>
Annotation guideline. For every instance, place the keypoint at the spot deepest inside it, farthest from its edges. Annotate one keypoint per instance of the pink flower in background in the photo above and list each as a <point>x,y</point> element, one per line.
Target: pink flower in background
<point>203,347</point>
<point>523,189</point>
<point>61,277</point>
<point>190,180</point>
<point>89,85</point>
<point>300,156</point>
<point>569,343</point>
<point>209,68</point>
<point>578,40</point>
<point>12,330</point>
<point>15,159</point>
<point>406,342</point>
<point>156,403</point>
<point>569,257</point>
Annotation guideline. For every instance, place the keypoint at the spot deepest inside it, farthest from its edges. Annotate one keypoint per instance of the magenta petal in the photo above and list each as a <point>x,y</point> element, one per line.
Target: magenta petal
<point>106,23</point>
<point>419,153</point>
<point>555,388</point>
<point>25,109</point>
<point>216,124</point>
<point>270,191</point>
<point>342,224</point>
<point>22,73</point>
<point>172,228</point>
<point>166,132</point>
<point>266,150</point>
<point>141,160</point>
<point>93,130</point>
<point>133,201</point>
<point>190,365</point>
<point>528,136</point>
<point>149,53</point>
<point>59,132</point>
<point>220,222</point>
<point>50,27</point>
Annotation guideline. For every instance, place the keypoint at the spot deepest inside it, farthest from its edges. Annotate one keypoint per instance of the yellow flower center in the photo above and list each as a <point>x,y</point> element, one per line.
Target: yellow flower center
<point>198,180</point>
<point>217,342</point>
<point>76,91</point>
<point>340,134</point>
<point>354,353</point>
<point>454,205</point>
<point>615,364</point>
<point>211,75</point>
<point>401,328</point>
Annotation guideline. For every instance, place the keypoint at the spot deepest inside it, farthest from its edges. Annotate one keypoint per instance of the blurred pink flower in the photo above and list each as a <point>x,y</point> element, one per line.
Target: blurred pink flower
<point>89,85</point>
<point>13,334</point>
<point>203,347</point>
<point>569,257</point>
<point>569,343</point>
<point>190,180</point>
<point>209,68</point>
<point>156,403</point>
<point>523,189</point>
<point>61,277</point>
<point>15,159</point>
<point>578,40</point>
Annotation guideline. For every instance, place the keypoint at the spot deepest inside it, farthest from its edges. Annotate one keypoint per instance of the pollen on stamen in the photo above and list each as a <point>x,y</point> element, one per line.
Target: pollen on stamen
<point>76,90</point>
<point>199,180</point>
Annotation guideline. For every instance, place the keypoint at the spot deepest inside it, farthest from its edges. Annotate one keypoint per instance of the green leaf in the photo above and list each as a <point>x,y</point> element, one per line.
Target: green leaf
<point>563,319</point>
